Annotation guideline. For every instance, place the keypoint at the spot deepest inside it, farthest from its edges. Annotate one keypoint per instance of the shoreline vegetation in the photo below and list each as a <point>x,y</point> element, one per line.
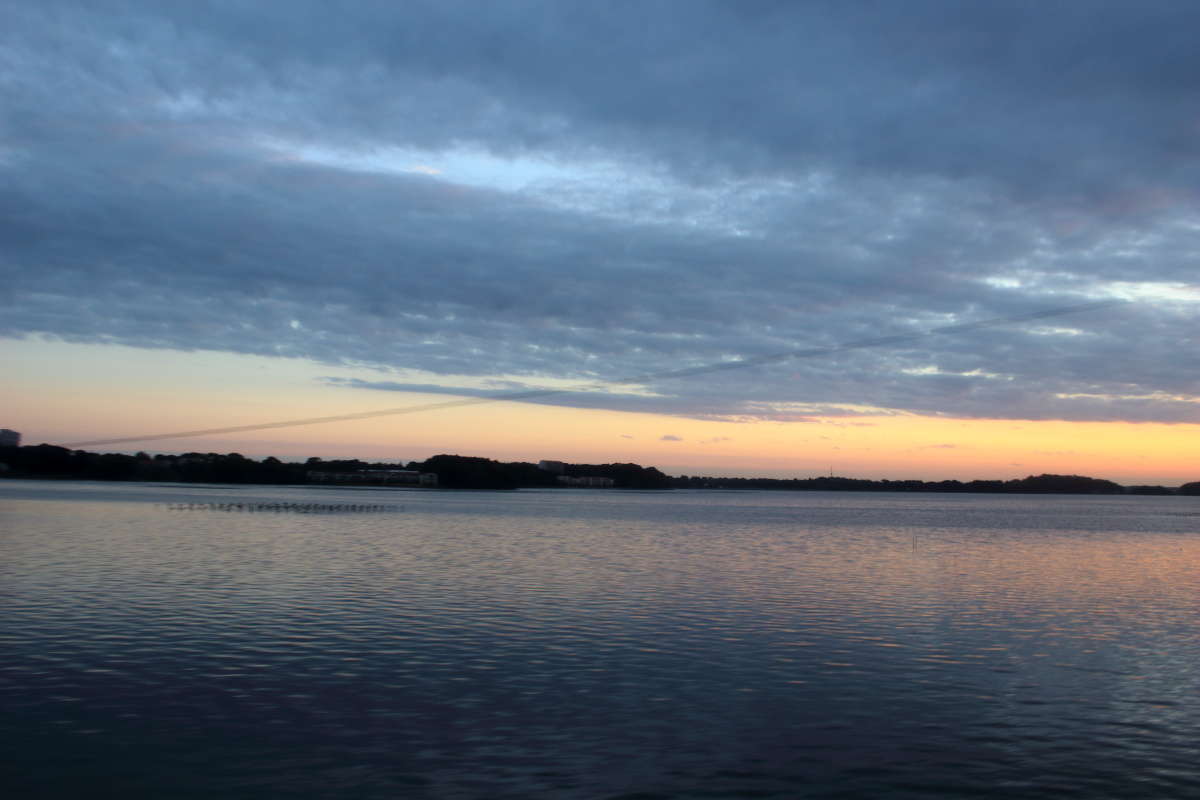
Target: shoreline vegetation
<point>51,462</point>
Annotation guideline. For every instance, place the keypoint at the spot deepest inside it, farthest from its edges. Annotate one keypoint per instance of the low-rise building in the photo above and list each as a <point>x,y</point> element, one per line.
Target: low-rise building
<point>381,477</point>
<point>587,482</point>
<point>9,438</point>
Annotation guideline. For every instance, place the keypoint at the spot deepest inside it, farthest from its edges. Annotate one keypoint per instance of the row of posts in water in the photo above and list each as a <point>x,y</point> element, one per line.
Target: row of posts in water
<point>284,507</point>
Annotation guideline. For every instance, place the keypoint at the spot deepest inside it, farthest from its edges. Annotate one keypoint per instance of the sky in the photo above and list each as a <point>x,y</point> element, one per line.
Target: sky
<point>219,214</point>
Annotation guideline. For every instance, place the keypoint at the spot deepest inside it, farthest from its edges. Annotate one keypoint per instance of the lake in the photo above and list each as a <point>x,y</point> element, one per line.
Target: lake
<point>165,641</point>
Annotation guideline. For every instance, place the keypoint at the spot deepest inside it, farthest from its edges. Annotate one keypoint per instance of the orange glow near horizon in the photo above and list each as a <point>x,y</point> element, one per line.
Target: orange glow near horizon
<point>160,391</point>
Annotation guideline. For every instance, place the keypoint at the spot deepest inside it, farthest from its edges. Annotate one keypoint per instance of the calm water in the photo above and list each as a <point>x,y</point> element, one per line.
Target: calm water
<point>597,645</point>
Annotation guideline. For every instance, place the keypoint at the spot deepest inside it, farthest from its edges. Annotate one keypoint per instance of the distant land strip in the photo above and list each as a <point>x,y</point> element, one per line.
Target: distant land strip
<point>860,344</point>
<point>47,461</point>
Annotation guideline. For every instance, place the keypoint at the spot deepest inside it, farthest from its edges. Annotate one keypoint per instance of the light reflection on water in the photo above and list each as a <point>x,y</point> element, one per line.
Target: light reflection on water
<point>581,644</point>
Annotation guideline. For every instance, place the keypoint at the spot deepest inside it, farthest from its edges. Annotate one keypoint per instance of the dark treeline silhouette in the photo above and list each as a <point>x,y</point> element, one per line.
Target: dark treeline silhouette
<point>453,471</point>
<point>472,472</point>
<point>1034,484</point>
<point>50,461</point>
<point>469,472</point>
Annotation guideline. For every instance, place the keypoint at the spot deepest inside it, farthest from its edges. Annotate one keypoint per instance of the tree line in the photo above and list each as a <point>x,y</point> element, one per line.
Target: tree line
<point>453,471</point>
<point>473,472</point>
<point>1033,484</point>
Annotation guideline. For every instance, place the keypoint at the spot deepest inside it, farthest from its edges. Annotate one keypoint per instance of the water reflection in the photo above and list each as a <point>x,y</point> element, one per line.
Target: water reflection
<point>573,644</point>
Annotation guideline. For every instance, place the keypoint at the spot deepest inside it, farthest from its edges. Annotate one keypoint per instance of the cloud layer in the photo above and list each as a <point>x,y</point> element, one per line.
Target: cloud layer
<point>451,192</point>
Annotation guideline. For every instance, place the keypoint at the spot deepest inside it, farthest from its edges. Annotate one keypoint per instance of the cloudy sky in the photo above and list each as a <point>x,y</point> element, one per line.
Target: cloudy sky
<point>216,214</point>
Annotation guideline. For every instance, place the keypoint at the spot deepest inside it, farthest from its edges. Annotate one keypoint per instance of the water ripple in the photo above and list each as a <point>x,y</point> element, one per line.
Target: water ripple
<point>597,645</point>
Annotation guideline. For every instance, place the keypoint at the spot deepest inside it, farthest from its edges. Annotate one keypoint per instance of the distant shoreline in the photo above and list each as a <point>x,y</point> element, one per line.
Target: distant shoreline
<point>1128,491</point>
<point>50,462</point>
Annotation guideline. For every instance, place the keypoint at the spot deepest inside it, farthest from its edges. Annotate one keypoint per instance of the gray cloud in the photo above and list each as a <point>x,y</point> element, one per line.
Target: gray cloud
<point>672,187</point>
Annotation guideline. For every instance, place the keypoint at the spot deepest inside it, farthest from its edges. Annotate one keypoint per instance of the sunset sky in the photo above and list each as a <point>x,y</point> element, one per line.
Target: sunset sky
<point>217,214</point>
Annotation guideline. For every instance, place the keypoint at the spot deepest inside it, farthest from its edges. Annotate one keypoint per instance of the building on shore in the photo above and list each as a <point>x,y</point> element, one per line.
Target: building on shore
<point>9,438</point>
<point>559,470</point>
<point>375,477</point>
<point>586,482</point>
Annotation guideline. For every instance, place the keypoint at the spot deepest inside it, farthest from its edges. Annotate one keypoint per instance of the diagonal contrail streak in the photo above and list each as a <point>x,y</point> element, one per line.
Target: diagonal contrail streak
<point>859,344</point>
